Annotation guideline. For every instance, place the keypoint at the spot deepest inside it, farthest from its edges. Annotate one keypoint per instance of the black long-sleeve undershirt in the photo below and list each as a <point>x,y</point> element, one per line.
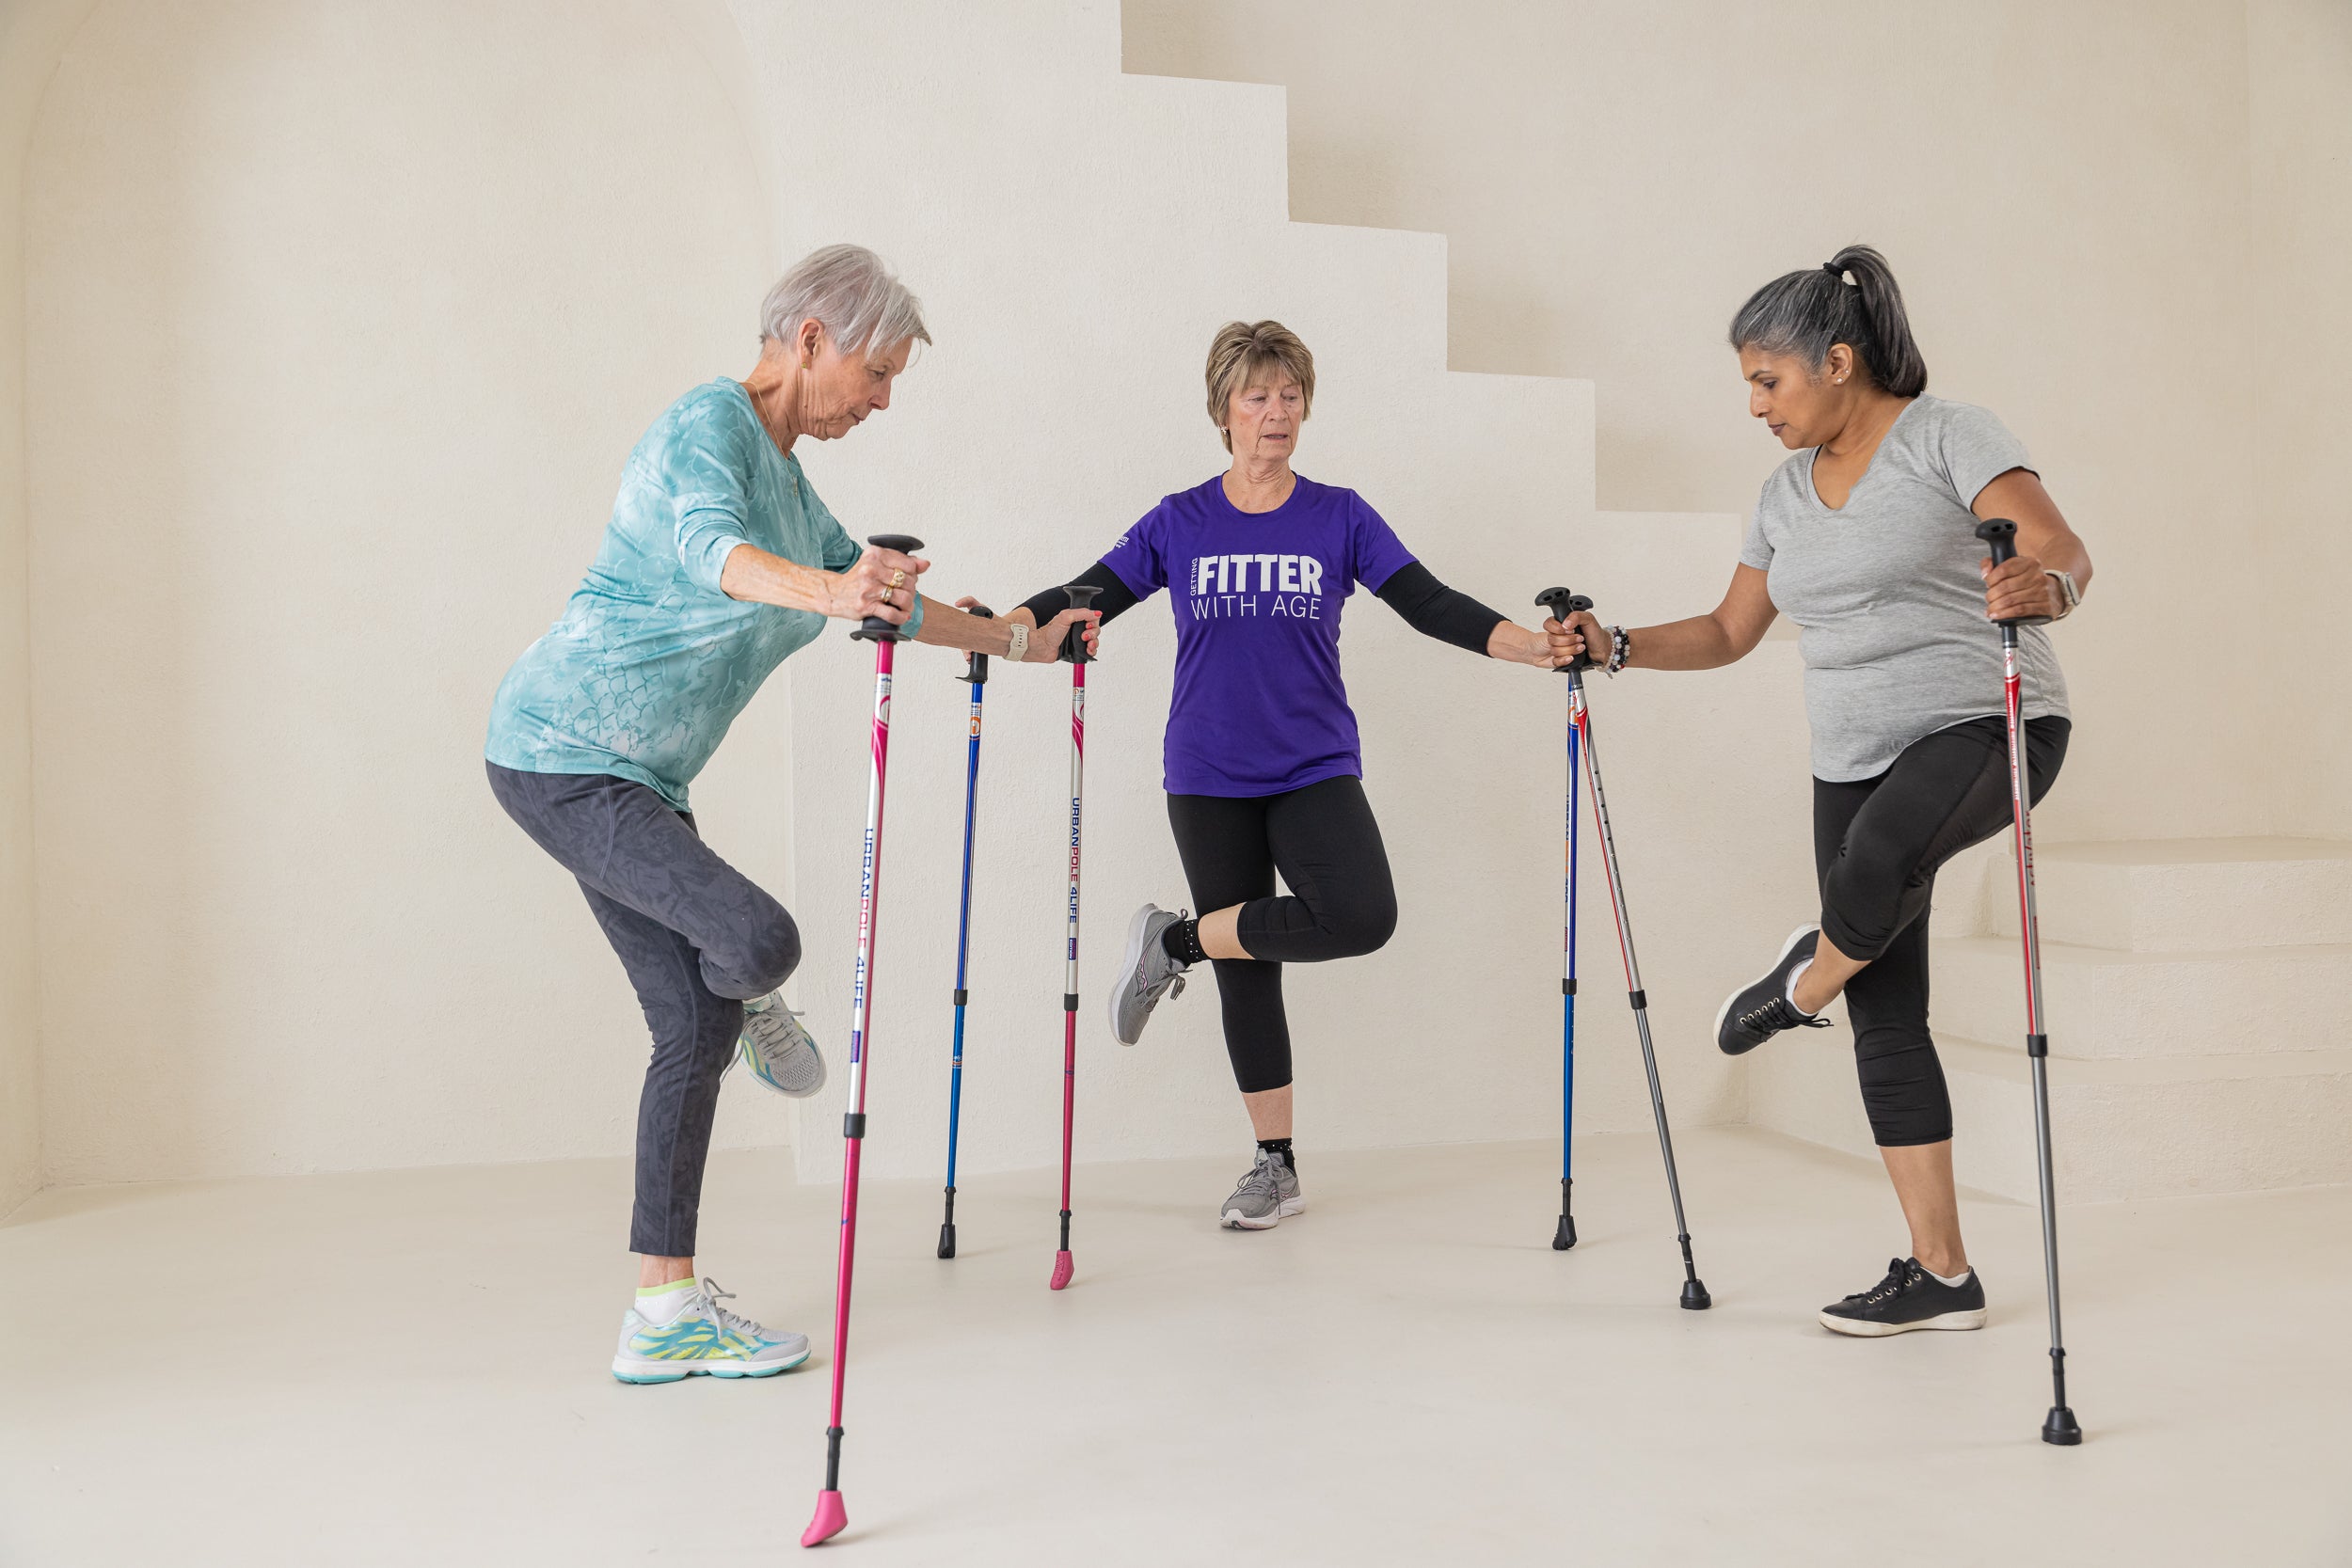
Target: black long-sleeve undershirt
<point>1428,606</point>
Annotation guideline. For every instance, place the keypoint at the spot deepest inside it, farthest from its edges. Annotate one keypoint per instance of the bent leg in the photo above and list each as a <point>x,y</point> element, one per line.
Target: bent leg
<point>1343,900</point>
<point>627,844</point>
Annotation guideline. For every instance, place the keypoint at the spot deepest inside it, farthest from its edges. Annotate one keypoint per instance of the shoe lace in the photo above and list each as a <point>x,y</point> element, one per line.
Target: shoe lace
<point>1265,1179</point>
<point>707,1296</point>
<point>1780,1013</point>
<point>1898,1281</point>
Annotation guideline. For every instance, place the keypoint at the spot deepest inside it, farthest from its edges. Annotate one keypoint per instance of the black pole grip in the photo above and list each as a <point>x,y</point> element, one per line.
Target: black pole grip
<point>873,627</point>
<point>1563,604</point>
<point>2000,537</point>
<point>977,671</point>
<point>1073,647</point>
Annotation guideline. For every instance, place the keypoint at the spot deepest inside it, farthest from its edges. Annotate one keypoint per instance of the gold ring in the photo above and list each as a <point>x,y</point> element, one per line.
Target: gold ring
<point>886,595</point>
<point>898,579</point>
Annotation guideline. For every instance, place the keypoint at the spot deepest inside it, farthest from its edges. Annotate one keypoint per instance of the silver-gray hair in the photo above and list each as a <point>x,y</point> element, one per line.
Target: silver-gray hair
<point>851,294</point>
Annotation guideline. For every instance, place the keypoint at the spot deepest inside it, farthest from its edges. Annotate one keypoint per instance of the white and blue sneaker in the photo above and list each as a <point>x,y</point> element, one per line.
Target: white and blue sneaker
<point>777,1050</point>
<point>679,1331</point>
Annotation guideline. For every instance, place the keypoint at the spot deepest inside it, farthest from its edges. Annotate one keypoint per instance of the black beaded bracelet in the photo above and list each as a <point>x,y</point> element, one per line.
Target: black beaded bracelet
<point>1620,650</point>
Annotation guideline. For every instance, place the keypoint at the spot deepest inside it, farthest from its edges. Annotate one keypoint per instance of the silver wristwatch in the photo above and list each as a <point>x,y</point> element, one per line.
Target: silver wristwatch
<point>2067,591</point>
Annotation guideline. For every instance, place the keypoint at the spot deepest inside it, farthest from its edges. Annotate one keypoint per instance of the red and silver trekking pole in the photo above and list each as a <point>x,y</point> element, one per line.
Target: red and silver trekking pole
<point>1075,649</point>
<point>1563,604</point>
<point>2059,1427</point>
<point>831,1517</point>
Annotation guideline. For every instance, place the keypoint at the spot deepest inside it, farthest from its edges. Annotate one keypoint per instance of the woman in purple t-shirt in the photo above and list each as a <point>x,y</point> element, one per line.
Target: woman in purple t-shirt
<point>1264,769</point>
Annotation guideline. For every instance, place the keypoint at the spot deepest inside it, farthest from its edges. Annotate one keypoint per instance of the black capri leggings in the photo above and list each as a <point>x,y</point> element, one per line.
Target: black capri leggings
<point>1342,904</point>
<point>1877,844</point>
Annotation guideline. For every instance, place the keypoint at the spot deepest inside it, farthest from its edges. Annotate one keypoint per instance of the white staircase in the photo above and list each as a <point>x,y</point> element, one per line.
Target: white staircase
<point>2197,995</point>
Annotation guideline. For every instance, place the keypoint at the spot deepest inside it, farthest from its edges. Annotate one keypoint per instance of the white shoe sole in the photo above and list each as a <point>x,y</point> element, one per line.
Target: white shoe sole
<point>1973,1319</point>
<point>1136,928</point>
<point>1785,948</point>
<point>631,1368</point>
<point>1235,1220</point>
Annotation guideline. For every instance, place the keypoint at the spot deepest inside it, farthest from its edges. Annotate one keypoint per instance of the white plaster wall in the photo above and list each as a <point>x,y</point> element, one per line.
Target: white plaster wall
<point>2062,189</point>
<point>342,321</point>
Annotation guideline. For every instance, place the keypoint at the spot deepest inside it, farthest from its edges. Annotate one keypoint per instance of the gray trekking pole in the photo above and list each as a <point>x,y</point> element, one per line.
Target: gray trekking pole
<point>2059,1427</point>
<point>1563,604</point>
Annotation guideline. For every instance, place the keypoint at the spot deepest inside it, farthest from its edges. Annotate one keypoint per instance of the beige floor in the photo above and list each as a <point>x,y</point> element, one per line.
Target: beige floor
<point>408,1368</point>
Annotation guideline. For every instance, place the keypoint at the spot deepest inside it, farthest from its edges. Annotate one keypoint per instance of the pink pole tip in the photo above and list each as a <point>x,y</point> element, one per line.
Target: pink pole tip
<point>1063,1269</point>
<point>831,1520</point>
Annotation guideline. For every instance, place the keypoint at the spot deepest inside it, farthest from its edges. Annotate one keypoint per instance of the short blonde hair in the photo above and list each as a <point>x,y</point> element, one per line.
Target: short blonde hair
<point>1242,354</point>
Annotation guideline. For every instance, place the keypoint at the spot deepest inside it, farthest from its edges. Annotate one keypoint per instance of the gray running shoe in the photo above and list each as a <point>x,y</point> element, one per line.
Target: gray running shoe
<point>1145,974</point>
<point>1267,1195</point>
<point>778,1051</point>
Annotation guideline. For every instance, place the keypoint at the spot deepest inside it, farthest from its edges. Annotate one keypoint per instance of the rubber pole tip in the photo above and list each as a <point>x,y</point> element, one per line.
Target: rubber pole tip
<point>1565,1237</point>
<point>947,1240</point>
<point>1694,1296</point>
<point>2060,1427</point>
<point>1063,1269</point>
<point>831,1520</point>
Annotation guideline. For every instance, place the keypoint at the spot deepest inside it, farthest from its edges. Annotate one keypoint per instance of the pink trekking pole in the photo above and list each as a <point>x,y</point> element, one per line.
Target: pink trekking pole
<point>831,1517</point>
<point>1075,649</point>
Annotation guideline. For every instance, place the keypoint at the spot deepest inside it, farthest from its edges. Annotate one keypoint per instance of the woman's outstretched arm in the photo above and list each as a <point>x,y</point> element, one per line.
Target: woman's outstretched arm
<point>1726,635</point>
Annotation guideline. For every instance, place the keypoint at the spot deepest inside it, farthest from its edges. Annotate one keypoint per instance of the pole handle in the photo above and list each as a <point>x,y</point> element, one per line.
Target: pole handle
<point>874,627</point>
<point>977,671</point>
<point>1073,647</point>
<point>1563,604</point>
<point>2000,538</point>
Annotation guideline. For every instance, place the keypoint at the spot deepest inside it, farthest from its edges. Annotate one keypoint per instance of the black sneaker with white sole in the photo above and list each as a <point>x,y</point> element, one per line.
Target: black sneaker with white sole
<point>1909,1297</point>
<point>1755,1013</point>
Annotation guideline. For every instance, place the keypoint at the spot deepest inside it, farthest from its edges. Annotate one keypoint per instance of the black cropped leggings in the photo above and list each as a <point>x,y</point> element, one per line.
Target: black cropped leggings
<point>1342,902</point>
<point>1877,844</point>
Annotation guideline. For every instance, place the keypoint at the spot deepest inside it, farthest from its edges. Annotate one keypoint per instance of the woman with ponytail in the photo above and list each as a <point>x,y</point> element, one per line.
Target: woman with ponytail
<point>1866,538</point>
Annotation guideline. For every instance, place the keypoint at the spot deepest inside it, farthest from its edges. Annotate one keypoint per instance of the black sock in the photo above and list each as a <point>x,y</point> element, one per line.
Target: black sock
<point>1281,1147</point>
<point>1181,941</point>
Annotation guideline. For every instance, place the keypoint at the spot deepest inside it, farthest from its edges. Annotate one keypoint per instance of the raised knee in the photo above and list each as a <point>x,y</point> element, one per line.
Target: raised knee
<point>773,953</point>
<point>1363,929</point>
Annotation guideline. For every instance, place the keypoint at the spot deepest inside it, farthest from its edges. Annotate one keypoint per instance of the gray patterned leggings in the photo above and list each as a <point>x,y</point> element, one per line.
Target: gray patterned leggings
<point>698,940</point>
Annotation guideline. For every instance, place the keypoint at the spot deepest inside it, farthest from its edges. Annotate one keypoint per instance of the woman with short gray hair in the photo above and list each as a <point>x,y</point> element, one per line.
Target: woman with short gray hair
<point>1867,539</point>
<point>719,564</point>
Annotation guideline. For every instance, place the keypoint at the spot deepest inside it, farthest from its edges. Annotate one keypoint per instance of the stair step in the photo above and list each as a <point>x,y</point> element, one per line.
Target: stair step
<point>2169,895</point>
<point>2101,1002</point>
<point>2120,1129</point>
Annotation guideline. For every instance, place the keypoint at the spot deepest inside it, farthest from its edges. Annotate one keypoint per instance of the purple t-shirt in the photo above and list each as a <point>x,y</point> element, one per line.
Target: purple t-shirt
<point>1259,706</point>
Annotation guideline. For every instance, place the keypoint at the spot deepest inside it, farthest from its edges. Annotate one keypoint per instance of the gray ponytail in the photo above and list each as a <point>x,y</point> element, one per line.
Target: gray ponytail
<point>1805,313</point>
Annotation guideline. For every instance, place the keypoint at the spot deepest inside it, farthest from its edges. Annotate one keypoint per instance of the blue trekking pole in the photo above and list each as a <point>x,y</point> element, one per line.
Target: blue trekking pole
<point>1565,1237</point>
<point>977,674</point>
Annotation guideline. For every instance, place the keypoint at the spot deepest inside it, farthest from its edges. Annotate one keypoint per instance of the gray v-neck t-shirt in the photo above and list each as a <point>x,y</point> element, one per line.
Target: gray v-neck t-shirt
<point>1887,594</point>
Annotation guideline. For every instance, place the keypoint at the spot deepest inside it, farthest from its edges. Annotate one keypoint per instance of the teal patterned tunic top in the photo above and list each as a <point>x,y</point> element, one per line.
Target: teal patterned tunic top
<point>651,662</point>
